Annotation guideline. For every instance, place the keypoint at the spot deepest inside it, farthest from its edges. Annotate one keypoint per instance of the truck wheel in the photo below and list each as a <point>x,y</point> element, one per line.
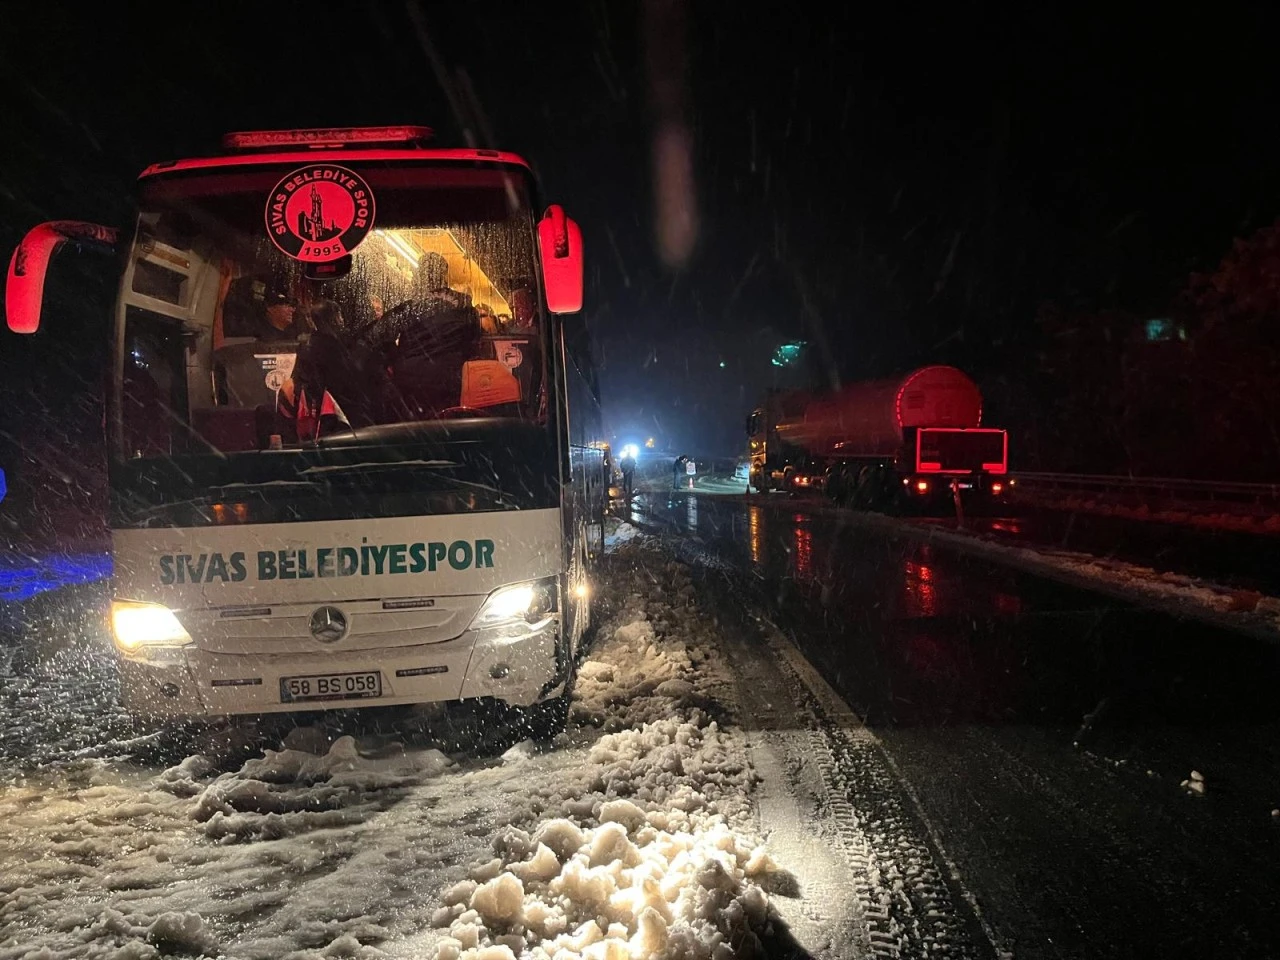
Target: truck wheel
<point>838,485</point>
<point>863,493</point>
<point>892,497</point>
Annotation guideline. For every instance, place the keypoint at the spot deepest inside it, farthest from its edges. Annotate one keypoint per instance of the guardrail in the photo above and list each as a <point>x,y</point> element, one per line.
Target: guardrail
<point>1164,489</point>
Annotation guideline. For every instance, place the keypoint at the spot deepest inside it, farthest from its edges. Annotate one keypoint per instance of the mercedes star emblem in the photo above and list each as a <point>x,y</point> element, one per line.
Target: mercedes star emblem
<point>328,624</point>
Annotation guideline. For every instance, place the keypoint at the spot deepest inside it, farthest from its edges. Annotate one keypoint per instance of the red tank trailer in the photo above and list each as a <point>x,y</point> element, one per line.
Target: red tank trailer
<point>915,436</point>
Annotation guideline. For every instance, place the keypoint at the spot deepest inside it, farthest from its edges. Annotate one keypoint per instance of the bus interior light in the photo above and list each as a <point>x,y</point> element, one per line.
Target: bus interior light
<point>401,246</point>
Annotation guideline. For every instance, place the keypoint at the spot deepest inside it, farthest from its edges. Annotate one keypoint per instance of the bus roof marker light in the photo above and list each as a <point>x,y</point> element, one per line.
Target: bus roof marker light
<point>320,138</point>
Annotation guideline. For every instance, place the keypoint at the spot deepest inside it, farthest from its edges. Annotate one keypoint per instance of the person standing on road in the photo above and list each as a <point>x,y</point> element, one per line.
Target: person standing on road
<point>678,471</point>
<point>628,467</point>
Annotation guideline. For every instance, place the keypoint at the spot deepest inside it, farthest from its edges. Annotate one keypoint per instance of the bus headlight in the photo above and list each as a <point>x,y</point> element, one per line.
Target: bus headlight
<point>135,625</point>
<point>531,602</point>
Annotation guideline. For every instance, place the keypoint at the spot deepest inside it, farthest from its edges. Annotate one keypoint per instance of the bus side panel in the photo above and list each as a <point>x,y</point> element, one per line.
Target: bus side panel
<point>585,493</point>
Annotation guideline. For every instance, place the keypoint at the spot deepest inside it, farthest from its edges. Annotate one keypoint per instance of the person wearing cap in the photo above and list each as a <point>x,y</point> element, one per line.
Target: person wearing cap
<point>279,315</point>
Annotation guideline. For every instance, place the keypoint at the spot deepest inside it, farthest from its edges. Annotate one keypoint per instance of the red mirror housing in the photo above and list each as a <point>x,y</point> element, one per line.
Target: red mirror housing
<point>24,285</point>
<point>560,242</point>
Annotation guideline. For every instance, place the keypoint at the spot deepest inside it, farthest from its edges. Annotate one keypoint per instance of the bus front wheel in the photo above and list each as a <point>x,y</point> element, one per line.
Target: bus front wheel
<point>544,721</point>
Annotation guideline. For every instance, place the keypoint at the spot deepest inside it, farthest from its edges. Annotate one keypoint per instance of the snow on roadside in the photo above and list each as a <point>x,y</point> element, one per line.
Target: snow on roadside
<point>630,836</point>
<point>60,708</point>
<point>1187,595</point>
<point>1245,518</point>
<point>641,853</point>
<point>1184,595</point>
<point>618,532</point>
<point>1175,588</point>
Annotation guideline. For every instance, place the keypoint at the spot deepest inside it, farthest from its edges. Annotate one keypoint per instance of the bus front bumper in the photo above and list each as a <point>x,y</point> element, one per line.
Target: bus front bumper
<point>519,667</point>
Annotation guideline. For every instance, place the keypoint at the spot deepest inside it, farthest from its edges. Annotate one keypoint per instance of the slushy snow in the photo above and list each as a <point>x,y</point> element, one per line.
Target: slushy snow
<point>618,532</point>
<point>644,855</point>
<point>631,836</point>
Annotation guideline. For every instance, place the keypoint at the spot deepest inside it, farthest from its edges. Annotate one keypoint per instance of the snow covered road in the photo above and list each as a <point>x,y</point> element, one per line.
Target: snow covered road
<point>711,798</point>
<point>1045,729</point>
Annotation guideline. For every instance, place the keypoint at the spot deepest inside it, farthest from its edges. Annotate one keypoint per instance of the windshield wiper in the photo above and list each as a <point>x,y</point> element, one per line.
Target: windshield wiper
<point>345,467</point>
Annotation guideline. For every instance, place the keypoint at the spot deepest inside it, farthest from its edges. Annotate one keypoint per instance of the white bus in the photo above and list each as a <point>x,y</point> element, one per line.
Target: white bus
<point>353,429</point>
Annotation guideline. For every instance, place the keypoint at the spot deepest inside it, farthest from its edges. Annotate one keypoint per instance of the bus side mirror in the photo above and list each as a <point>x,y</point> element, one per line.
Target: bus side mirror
<point>560,244</point>
<point>24,285</point>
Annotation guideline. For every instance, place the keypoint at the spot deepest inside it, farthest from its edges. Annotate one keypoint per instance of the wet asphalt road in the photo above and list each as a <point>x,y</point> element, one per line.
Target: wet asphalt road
<point>979,680</point>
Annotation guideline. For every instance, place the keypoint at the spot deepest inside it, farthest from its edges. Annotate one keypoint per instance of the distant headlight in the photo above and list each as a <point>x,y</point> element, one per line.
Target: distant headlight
<point>531,602</point>
<point>135,625</point>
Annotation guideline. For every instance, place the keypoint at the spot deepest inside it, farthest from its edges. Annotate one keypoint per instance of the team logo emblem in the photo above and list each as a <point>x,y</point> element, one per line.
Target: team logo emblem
<point>510,356</point>
<point>276,368</point>
<point>319,213</point>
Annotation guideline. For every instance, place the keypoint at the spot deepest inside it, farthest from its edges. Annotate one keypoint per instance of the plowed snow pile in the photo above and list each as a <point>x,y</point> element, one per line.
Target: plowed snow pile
<point>629,837</point>
<point>636,856</point>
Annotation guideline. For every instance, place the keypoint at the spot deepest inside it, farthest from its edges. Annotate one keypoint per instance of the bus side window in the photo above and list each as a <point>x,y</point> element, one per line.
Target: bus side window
<point>155,399</point>
<point>240,311</point>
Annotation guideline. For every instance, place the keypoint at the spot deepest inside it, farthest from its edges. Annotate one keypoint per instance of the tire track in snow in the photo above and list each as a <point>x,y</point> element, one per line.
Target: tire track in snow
<point>908,892</point>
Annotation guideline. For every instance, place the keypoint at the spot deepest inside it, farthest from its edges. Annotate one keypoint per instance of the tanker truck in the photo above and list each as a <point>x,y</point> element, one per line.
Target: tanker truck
<point>912,439</point>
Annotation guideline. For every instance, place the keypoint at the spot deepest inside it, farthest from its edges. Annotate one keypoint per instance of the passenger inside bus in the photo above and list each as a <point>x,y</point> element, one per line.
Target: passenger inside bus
<point>301,370</point>
<point>436,332</point>
<point>262,308</point>
<point>280,320</point>
<point>522,312</point>
<point>343,368</point>
<point>488,322</point>
<point>254,352</point>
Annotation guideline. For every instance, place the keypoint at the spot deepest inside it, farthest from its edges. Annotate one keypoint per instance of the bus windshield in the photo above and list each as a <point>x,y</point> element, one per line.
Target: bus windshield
<point>232,345</point>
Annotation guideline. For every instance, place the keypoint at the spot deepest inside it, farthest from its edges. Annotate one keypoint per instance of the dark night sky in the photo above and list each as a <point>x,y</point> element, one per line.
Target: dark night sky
<point>903,187</point>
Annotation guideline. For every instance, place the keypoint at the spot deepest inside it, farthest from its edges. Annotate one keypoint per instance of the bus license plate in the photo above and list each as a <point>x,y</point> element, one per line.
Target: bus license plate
<point>331,686</point>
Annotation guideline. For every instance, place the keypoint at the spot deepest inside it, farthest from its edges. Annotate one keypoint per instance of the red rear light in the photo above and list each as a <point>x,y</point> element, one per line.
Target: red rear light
<point>922,486</point>
<point>321,137</point>
<point>997,488</point>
